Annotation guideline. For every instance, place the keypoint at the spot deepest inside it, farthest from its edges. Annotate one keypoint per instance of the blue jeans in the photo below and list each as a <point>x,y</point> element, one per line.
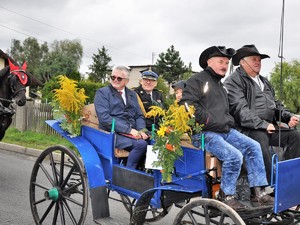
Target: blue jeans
<point>231,148</point>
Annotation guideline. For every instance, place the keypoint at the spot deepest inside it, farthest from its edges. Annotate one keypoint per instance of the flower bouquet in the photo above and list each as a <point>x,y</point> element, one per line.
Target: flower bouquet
<point>174,123</point>
<point>68,102</point>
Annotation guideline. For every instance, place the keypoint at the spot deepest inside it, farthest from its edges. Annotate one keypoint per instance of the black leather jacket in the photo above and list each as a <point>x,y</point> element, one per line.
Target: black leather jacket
<point>157,100</point>
<point>212,107</point>
<point>242,94</point>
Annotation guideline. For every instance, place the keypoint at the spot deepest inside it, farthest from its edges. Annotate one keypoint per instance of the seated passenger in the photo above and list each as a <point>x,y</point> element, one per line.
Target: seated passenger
<point>255,108</point>
<point>117,102</point>
<point>178,89</point>
<point>149,95</point>
<point>207,94</point>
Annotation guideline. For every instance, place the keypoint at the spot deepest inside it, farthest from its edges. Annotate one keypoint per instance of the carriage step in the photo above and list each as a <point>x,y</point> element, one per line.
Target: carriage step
<point>255,212</point>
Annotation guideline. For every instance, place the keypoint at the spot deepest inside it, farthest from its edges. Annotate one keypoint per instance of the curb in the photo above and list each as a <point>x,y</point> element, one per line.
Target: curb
<point>19,149</point>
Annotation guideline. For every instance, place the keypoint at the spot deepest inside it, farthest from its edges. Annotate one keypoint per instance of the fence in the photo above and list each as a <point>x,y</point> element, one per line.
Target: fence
<point>32,117</point>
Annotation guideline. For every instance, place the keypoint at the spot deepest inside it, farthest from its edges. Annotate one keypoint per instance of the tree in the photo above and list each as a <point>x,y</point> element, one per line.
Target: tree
<point>64,57</point>
<point>72,49</point>
<point>290,84</point>
<point>100,67</point>
<point>30,51</point>
<point>170,65</point>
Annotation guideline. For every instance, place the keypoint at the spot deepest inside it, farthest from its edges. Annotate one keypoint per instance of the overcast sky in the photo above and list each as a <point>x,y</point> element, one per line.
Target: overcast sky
<point>134,31</point>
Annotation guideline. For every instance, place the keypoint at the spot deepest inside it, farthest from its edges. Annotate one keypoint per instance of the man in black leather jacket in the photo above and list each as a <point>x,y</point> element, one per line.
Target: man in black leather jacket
<point>207,94</point>
<point>255,108</point>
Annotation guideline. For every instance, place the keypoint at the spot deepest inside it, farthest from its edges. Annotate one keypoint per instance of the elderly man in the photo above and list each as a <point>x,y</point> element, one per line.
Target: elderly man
<point>255,108</point>
<point>207,94</point>
<point>117,102</point>
<point>149,95</point>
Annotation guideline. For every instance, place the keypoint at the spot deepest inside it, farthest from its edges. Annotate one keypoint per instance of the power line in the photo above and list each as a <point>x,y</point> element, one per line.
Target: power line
<point>68,32</point>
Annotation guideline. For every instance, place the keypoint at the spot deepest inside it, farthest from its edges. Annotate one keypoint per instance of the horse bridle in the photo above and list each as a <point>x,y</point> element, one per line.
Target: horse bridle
<point>12,81</point>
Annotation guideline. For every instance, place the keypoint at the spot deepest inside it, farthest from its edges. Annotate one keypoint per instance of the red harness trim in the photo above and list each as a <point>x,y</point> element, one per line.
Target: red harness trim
<point>21,75</point>
<point>19,72</point>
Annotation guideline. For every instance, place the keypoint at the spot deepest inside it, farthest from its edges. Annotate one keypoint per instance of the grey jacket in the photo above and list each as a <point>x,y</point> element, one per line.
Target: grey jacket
<point>242,94</point>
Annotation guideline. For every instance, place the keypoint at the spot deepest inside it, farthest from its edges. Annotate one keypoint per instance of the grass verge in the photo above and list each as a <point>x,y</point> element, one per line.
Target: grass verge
<point>34,140</point>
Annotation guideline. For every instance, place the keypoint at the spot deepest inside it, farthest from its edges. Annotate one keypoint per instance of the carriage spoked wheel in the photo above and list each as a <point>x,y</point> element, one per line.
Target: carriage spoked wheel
<point>58,188</point>
<point>153,214</point>
<point>205,211</point>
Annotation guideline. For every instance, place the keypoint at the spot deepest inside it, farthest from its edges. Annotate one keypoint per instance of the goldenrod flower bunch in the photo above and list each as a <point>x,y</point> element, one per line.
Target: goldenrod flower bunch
<point>68,102</point>
<point>174,122</point>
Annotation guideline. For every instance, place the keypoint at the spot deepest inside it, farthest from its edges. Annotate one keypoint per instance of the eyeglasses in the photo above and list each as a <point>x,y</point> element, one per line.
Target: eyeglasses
<point>118,78</point>
<point>148,80</point>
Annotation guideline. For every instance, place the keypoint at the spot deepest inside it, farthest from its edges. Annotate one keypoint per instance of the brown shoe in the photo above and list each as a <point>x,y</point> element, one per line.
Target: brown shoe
<point>260,198</point>
<point>231,201</point>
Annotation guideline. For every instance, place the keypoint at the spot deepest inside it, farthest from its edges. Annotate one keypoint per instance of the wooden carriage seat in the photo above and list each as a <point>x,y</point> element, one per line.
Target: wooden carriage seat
<point>89,118</point>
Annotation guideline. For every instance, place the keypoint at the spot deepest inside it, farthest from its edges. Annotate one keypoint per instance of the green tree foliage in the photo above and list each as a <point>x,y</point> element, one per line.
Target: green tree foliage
<point>30,51</point>
<point>100,67</point>
<point>89,87</point>
<point>170,65</point>
<point>290,84</point>
<point>64,57</point>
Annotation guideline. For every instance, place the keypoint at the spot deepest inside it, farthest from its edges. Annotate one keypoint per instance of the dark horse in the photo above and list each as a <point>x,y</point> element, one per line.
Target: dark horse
<point>13,82</point>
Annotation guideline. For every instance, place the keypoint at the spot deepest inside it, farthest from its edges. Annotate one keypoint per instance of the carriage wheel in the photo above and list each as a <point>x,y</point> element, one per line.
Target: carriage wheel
<point>283,218</point>
<point>58,188</point>
<point>153,214</point>
<point>207,211</point>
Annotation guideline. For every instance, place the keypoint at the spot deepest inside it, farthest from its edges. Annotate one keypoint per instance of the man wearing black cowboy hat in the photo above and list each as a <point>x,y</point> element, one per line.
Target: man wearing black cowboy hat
<point>207,94</point>
<point>255,108</point>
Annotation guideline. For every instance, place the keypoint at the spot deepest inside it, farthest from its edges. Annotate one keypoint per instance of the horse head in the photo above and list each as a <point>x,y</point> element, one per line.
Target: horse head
<point>17,80</point>
<point>14,79</point>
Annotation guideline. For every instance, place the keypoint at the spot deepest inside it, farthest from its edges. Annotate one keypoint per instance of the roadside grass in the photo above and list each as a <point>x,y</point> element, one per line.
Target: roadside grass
<point>34,140</point>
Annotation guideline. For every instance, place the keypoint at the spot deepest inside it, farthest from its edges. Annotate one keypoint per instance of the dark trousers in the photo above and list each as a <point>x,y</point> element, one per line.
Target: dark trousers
<point>290,140</point>
<point>136,152</point>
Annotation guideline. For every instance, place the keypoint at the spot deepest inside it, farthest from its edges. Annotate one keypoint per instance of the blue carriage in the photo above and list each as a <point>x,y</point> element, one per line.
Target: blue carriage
<point>62,180</point>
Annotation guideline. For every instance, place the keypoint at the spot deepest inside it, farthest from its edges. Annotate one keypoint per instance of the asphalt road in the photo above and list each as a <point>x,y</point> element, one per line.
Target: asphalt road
<point>15,172</point>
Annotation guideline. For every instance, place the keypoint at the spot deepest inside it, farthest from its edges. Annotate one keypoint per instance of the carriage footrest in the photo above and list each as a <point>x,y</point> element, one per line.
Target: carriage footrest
<point>255,212</point>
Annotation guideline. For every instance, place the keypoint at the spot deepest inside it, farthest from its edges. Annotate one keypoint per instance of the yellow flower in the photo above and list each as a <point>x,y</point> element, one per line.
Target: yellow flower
<point>68,102</point>
<point>155,111</point>
<point>162,130</point>
<point>174,122</point>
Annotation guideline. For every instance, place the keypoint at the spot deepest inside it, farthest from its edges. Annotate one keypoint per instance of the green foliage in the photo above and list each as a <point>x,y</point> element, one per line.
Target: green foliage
<point>100,68</point>
<point>170,65</point>
<point>63,58</point>
<point>31,52</point>
<point>47,90</point>
<point>290,84</point>
<point>34,140</point>
<point>89,87</point>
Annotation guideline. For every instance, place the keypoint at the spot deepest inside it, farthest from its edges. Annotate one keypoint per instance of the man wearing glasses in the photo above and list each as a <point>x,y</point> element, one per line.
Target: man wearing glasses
<point>149,95</point>
<point>117,102</point>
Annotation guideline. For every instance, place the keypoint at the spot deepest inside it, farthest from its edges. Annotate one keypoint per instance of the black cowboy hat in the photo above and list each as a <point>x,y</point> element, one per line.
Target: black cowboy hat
<point>246,50</point>
<point>213,52</point>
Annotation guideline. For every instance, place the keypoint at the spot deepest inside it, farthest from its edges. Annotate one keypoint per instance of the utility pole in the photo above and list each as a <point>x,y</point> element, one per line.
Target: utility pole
<point>153,55</point>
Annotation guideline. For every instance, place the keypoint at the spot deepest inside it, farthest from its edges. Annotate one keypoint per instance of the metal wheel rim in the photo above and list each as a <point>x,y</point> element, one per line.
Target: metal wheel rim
<point>58,188</point>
